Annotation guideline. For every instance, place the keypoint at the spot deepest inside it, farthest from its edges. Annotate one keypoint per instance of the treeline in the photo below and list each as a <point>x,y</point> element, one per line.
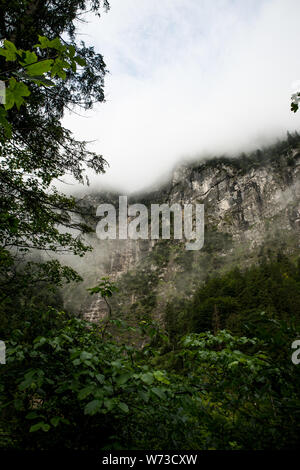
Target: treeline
<point>238,299</point>
<point>219,377</point>
<point>68,384</point>
<point>282,149</point>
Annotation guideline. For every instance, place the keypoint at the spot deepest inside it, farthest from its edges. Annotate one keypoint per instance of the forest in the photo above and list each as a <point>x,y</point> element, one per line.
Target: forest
<point>216,375</point>
<point>220,375</point>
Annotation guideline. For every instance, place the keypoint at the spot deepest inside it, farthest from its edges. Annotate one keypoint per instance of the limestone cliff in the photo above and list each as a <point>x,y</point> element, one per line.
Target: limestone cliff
<point>251,210</point>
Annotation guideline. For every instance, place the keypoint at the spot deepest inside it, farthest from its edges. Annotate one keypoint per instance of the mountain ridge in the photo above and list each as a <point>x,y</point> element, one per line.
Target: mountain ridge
<point>252,209</point>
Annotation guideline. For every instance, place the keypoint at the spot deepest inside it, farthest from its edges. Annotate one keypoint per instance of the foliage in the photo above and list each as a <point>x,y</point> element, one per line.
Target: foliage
<point>67,388</point>
<point>35,287</point>
<point>45,72</point>
<point>65,385</point>
<point>238,297</point>
<point>69,379</point>
<point>105,287</point>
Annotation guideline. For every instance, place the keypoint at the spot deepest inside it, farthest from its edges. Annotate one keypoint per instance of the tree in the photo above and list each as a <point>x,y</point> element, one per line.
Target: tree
<point>45,71</point>
<point>105,288</point>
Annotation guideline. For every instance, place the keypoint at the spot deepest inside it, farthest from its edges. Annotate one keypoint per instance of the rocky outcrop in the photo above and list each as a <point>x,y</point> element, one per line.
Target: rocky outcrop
<point>252,209</point>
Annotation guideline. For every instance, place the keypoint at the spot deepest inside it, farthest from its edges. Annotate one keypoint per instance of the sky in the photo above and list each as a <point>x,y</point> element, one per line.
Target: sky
<point>188,79</point>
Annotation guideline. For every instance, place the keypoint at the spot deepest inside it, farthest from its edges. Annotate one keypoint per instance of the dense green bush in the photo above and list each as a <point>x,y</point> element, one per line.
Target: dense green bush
<point>234,299</point>
<point>70,388</point>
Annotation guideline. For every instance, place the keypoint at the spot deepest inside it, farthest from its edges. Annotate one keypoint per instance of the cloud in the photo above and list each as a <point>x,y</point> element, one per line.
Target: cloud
<point>189,78</point>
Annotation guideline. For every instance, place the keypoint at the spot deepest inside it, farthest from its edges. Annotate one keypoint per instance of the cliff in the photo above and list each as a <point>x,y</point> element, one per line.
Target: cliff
<point>251,208</point>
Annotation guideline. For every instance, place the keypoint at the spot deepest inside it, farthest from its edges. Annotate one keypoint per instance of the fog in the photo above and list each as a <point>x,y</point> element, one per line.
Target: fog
<point>188,78</point>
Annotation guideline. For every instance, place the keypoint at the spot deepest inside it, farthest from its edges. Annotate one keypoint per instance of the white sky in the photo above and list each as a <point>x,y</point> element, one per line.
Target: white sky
<point>189,78</point>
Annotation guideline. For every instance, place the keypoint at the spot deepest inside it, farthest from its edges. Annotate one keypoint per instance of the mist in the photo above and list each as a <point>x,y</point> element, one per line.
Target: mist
<point>188,79</point>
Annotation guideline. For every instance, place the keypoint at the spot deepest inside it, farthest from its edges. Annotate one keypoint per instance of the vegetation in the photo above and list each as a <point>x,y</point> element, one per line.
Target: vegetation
<point>219,376</point>
<point>69,384</point>
<point>236,299</point>
<point>45,72</point>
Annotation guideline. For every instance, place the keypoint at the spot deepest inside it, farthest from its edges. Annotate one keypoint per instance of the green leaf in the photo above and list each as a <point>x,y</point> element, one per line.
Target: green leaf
<point>122,379</point>
<point>9,51</point>
<point>100,378</point>
<point>44,42</point>
<point>6,126</point>
<point>147,378</point>
<point>144,395</point>
<point>160,377</point>
<point>28,379</point>
<point>116,364</point>
<point>27,57</point>
<point>72,50</point>
<point>92,407</point>
<point>109,403</point>
<point>40,80</point>
<point>232,364</point>
<point>55,421</point>
<point>59,68</point>
<point>15,93</point>
<point>56,44</point>
<point>33,415</point>
<point>80,61</point>
<point>85,392</point>
<point>123,407</point>
<point>10,45</point>
<point>159,393</point>
<point>46,427</point>
<point>85,355</point>
<point>36,427</point>
<point>40,67</point>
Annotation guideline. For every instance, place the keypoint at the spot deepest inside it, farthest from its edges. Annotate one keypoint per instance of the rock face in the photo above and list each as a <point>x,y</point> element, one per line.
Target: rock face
<point>240,202</point>
<point>252,209</point>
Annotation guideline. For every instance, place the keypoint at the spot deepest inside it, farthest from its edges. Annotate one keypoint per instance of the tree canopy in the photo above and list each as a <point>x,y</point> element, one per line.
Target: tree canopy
<point>46,71</point>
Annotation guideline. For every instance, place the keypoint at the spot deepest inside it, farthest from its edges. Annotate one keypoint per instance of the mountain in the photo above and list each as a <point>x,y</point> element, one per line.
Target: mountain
<point>252,211</point>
